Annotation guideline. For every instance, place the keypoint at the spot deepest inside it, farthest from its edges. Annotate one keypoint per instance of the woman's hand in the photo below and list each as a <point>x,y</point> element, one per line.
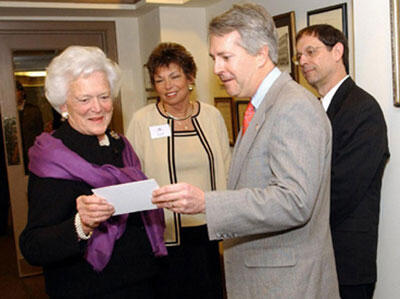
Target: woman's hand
<point>93,210</point>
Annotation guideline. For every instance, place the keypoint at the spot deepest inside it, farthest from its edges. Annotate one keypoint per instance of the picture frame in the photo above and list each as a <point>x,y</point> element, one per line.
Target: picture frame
<point>153,100</point>
<point>335,15</point>
<point>240,108</point>
<point>146,77</point>
<point>286,27</point>
<point>395,43</point>
<point>225,106</point>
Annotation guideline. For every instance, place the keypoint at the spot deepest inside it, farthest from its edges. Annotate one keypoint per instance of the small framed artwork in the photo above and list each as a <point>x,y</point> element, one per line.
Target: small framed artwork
<point>335,16</point>
<point>241,106</point>
<point>285,25</point>
<point>394,14</point>
<point>225,106</point>
<point>147,82</point>
<point>11,140</point>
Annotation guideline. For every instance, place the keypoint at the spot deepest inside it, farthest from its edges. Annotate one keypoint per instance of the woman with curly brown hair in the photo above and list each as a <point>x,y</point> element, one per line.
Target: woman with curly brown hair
<point>178,139</point>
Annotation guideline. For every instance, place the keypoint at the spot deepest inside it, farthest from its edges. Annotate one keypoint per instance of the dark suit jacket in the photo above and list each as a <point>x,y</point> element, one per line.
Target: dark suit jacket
<point>360,152</point>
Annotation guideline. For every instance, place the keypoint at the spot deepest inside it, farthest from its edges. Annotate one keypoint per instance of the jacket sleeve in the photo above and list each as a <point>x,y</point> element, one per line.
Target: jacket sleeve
<point>360,151</point>
<point>49,235</point>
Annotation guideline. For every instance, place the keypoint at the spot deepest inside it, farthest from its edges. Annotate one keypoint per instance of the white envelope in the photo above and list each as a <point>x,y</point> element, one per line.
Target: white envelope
<point>129,197</point>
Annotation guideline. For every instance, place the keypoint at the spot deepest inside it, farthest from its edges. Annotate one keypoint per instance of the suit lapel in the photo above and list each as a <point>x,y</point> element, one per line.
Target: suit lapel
<point>339,98</point>
<point>244,143</point>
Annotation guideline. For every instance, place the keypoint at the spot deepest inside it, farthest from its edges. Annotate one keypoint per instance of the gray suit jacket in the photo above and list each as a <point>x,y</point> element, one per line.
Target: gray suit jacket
<point>275,224</point>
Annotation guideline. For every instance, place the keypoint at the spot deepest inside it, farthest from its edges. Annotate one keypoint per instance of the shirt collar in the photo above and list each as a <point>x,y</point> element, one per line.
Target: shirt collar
<point>327,99</point>
<point>264,87</point>
<point>105,141</point>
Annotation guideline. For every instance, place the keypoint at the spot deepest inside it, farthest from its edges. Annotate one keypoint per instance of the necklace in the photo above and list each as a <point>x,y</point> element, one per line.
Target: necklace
<point>178,118</point>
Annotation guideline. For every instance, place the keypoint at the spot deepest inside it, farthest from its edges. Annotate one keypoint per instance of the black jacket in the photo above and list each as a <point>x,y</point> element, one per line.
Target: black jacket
<point>50,240</point>
<point>360,152</point>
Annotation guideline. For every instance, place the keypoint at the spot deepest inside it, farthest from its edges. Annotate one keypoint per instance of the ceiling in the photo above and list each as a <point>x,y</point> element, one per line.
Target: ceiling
<point>88,8</point>
<point>82,1</point>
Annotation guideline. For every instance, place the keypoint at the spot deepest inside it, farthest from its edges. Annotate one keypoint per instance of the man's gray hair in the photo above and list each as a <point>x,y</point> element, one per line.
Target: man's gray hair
<point>254,24</point>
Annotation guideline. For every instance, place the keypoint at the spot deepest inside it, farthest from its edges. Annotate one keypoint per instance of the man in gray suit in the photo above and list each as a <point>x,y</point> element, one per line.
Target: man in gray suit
<point>274,219</point>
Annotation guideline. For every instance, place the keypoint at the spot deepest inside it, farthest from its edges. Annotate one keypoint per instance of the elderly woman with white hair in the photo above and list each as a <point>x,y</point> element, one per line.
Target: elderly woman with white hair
<point>86,252</point>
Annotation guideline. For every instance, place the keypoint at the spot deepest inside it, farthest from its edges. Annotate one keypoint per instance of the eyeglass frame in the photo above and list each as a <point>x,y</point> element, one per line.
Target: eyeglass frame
<point>312,52</point>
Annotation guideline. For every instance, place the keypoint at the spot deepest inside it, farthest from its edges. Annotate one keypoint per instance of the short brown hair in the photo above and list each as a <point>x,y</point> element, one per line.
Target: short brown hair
<point>329,36</point>
<point>165,54</point>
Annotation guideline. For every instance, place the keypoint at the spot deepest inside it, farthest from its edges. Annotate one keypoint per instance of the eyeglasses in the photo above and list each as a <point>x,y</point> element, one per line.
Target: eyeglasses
<point>310,52</point>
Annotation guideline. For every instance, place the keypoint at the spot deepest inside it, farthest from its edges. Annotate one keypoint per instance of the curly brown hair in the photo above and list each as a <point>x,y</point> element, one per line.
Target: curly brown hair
<point>165,54</point>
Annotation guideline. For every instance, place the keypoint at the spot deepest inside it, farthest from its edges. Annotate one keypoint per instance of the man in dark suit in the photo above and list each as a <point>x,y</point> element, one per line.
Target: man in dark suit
<point>360,152</point>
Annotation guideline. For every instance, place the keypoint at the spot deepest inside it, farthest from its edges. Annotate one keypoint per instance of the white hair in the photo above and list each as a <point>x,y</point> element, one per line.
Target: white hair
<point>73,62</point>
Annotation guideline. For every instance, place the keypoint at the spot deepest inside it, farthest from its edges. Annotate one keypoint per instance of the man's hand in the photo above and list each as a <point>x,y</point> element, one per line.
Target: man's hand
<point>180,198</point>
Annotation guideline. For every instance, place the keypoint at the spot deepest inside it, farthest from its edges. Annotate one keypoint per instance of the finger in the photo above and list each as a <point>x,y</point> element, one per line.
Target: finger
<point>104,208</point>
<point>174,188</point>
<point>95,212</point>
<point>94,221</point>
<point>94,200</point>
<point>93,204</point>
<point>171,196</point>
<point>163,205</point>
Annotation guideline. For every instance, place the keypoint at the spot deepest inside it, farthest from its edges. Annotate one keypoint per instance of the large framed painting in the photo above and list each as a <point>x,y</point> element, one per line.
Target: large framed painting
<point>285,25</point>
<point>225,106</point>
<point>335,16</point>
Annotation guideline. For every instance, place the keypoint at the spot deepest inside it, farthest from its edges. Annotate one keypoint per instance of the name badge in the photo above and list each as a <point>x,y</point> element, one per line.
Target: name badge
<point>160,131</point>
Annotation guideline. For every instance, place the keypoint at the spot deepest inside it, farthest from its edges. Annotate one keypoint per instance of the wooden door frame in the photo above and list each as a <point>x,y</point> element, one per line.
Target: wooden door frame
<point>42,35</point>
<point>105,30</point>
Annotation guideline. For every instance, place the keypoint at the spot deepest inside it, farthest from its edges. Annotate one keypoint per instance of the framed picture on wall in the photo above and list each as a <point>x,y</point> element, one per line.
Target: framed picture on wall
<point>152,99</point>
<point>335,16</point>
<point>225,106</point>
<point>394,14</point>
<point>285,25</point>
<point>240,106</point>
<point>147,82</point>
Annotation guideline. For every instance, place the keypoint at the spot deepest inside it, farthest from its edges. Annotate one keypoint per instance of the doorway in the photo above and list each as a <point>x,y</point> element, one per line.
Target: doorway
<point>25,40</point>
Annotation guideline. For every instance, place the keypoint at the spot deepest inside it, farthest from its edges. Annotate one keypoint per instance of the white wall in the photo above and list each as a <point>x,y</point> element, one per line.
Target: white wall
<point>374,73</point>
<point>136,38</point>
<point>187,26</point>
<point>130,63</point>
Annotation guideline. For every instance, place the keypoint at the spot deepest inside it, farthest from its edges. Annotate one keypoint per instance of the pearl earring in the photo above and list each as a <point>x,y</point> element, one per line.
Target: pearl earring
<point>190,87</point>
<point>64,115</point>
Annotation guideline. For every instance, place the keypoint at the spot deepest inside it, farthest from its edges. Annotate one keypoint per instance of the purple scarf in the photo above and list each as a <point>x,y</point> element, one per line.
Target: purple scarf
<point>49,157</point>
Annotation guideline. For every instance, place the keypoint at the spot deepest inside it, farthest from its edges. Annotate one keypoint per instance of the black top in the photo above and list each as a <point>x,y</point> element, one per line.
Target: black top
<point>50,240</point>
